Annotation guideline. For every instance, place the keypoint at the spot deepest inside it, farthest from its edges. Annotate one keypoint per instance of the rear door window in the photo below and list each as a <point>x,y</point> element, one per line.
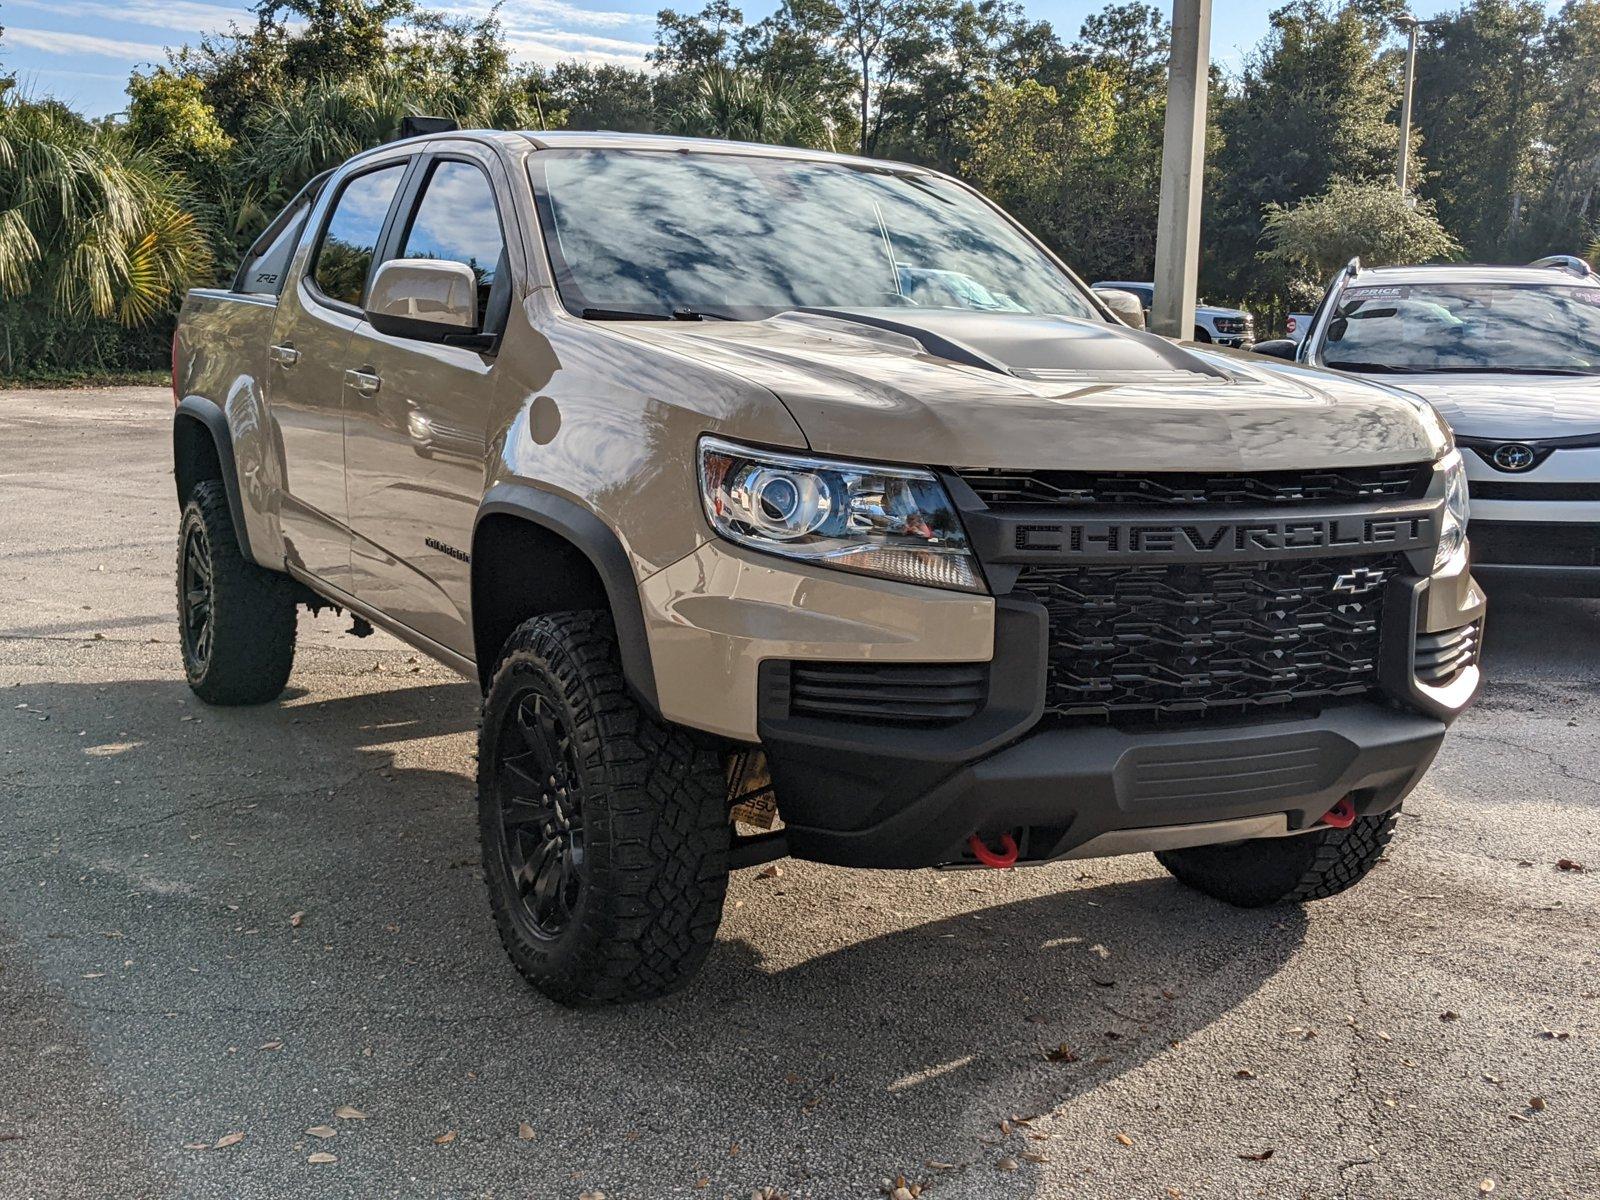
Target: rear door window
<point>350,238</point>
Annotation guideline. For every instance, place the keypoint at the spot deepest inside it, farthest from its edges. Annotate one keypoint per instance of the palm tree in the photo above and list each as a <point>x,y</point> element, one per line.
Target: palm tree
<point>317,124</point>
<point>91,225</point>
<point>744,108</point>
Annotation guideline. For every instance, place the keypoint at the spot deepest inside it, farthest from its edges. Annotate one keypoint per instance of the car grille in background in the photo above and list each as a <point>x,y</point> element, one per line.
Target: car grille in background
<point>1443,656</point>
<point>1141,643</point>
<point>1489,489</point>
<point>920,693</point>
<point>1535,543</point>
<point>1090,489</point>
<point>1231,324</point>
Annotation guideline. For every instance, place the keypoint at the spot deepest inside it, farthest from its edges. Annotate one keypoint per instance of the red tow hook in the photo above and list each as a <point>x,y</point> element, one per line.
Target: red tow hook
<point>1005,857</point>
<point>1341,816</point>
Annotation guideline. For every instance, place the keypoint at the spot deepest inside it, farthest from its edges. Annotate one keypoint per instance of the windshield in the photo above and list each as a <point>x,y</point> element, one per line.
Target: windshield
<point>1533,328</point>
<point>657,233</point>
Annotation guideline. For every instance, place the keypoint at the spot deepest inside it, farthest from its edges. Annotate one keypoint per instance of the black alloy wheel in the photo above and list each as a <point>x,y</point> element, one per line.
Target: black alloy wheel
<point>196,598</point>
<point>538,788</point>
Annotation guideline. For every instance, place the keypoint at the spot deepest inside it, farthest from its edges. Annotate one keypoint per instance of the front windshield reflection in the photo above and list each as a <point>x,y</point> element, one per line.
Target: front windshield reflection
<point>658,233</point>
<point>1466,327</point>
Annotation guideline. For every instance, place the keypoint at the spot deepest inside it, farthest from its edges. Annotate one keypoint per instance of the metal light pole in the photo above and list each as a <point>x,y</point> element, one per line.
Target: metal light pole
<point>1183,160</point>
<point>1410,25</point>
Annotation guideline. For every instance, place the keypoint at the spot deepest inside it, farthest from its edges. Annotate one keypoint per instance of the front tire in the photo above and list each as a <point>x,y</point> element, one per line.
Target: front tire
<point>605,832</point>
<point>1286,870</point>
<point>236,621</point>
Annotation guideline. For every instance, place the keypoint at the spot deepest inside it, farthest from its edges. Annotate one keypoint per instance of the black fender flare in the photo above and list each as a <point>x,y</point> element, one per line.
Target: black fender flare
<point>601,546</point>
<point>211,416</point>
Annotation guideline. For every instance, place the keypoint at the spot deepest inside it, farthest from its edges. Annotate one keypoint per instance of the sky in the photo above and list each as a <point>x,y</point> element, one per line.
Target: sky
<point>82,51</point>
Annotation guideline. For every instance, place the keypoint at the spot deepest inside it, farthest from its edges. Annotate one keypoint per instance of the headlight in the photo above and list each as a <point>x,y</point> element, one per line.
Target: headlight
<point>894,522</point>
<point>1453,531</point>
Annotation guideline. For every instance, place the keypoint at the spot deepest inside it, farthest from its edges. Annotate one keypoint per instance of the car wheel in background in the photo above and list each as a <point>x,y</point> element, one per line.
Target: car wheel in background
<point>236,621</point>
<point>1285,870</point>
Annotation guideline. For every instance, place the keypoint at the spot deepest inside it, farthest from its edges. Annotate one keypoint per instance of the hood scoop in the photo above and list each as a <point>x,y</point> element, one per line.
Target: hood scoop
<point>1026,345</point>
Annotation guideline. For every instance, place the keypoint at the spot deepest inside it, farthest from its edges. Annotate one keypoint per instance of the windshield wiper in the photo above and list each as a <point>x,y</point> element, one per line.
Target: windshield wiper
<point>1514,371</point>
<point>1375,367</point>
<point>628,314</point>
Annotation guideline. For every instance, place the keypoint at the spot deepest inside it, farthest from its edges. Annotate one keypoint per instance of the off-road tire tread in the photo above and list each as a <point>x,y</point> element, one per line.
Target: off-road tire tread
<point>253,612</point>
<point>656,828</point>
<point>1291,870</point>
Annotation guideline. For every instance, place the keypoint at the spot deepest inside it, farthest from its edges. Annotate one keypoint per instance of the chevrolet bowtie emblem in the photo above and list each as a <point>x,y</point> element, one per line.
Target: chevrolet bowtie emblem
<point>1362,579</point>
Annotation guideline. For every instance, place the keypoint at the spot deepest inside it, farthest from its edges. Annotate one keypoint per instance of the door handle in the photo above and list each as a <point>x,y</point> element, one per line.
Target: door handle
<point>285,354</point>
<point>365,382</point>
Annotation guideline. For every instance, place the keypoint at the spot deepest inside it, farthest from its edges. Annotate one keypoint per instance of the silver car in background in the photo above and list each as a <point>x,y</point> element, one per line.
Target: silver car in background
<point>1223,326</point>
<point>1510,357</point>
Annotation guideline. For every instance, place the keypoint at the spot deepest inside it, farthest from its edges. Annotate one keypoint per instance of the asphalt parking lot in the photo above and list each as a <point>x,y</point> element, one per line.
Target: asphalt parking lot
<point>238,922</point>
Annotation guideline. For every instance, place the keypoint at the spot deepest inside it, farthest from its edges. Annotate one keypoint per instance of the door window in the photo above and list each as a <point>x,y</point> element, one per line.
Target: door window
<point>456,221</point>
<point>351,237</point>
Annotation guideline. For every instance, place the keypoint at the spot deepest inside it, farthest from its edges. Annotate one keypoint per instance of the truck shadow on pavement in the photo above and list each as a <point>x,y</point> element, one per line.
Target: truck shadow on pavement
<point>894,1018</point>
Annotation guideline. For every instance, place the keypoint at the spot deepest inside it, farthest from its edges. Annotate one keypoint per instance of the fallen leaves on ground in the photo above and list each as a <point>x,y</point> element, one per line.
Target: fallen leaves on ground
<point>1007,1164</point>
<point>525,1132</point>
<point>322,1157</point>
<point>1447,1015</point>
<point>1244,1073</point>
<point>1124,1139</point>
<point>1566,864</point>
<point>229,1139</point>
<point>1536,1103</point>
<point>1486,1187</point>
<point>444,1139</point>
<point>323,1131</point>
<point>297,919</point>
<point>1061,1054</point>
<point>347,1112</point>
<point>1262,1157</point>
<point>773,871</point>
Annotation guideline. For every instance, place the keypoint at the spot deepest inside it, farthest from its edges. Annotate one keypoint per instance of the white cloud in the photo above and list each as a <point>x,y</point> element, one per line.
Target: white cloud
<point>52,41</point>
<point>182,16</point>
<point>553,14</point>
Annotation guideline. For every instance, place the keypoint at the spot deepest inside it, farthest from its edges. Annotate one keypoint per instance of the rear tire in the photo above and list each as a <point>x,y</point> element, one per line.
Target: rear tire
<point>236,621</point>
<point>1286,870</point>
<point>1202,334</point>
<point>605,832</point>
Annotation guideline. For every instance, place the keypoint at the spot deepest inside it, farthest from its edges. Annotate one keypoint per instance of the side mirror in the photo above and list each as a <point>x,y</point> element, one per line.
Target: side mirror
<point>1286,348</point>
<point>423,298</point>
<point>1124,305</point>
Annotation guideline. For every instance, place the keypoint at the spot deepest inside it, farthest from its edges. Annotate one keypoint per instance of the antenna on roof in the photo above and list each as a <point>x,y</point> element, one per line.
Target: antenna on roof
<point>417,126</point>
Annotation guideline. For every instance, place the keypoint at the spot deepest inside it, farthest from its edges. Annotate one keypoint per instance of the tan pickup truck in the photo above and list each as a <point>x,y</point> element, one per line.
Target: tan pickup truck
<point>790,503</point>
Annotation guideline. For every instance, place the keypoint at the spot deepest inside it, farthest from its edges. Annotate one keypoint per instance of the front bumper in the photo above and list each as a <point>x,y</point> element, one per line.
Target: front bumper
<point>1067,792</point>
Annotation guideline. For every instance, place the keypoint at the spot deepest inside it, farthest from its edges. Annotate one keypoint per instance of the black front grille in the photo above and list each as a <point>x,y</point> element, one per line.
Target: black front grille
<point>919,693</point>
<point>1172,489</point>
<point>1489,489</point>
<point>1158,642</point>
<point>1535,543</point>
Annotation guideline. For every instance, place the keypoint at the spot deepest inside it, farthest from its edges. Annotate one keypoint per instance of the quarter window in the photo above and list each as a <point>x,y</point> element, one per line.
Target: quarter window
<point>351,237</point>
<point>456,221</point>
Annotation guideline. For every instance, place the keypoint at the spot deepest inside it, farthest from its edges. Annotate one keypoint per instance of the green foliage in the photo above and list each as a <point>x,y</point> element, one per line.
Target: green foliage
<point>1481,92</point>
<point>741,107</point>
<point>91,225</point>
<point>1313,105</point>
<point>1311,240</point>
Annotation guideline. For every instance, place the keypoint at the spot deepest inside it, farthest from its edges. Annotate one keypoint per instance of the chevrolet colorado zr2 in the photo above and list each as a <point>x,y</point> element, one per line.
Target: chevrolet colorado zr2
<point>784,502</point>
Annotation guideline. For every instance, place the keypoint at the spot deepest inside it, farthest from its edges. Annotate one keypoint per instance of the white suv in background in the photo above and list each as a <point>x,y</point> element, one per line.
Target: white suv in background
<point>1510,358</point>
<point>1224,326</point>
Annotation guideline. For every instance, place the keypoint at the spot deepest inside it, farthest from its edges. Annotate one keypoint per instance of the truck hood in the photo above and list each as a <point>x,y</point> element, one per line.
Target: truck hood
<point>969,389</point>
<point>1511,407</point>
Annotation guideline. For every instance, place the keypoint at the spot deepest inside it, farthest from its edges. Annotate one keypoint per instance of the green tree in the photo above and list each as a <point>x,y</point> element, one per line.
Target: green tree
<point>1567,212</point>
<point>1482,86</point>
<point>1311,240</point>
<point>1312,105</point>
<point>603,96</point>
<point>744,108</point>
<point>1130,43</point>
<point>91,225</point>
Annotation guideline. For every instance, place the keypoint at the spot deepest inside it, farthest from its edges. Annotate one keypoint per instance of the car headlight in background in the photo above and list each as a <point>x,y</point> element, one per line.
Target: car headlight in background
<point>892,522</point>
<point>1453,528</point>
